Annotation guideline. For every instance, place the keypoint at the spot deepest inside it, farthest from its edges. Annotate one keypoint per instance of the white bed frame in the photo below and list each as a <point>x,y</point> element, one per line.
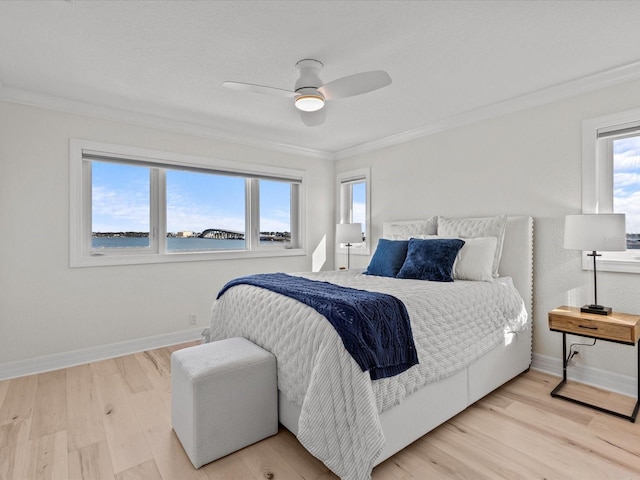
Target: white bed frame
<point>436,403</point>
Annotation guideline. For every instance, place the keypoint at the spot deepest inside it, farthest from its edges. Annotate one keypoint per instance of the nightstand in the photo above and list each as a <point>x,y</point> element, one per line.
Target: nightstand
<point>618,327</point>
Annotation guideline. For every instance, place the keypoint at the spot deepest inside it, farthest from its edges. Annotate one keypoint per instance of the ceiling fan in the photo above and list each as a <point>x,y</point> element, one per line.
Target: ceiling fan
<point>310,93</point>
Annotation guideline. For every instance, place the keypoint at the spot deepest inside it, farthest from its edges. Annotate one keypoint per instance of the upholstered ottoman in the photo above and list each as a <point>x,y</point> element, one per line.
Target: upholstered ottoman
<point>224,396</point>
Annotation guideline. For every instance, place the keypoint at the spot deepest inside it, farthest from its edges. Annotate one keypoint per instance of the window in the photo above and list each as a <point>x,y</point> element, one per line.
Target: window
<point>131,205</point>
<point>205,211</point>
<point>277,201</point>
<point>611,180</point>
<point>626,183</point>
<point>120,212</point>
<point>353,205</point>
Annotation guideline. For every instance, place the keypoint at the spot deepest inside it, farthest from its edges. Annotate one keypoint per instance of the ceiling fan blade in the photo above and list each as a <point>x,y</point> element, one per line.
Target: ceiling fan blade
<point>313,119</point>
<point>249,87</point>
<point>356,84</point>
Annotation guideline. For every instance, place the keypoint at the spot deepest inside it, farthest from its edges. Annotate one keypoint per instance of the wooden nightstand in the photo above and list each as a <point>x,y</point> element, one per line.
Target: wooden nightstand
<point>617,327</point>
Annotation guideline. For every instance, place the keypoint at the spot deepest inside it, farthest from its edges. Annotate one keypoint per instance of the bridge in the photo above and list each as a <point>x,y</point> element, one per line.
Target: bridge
<point>220,234</point>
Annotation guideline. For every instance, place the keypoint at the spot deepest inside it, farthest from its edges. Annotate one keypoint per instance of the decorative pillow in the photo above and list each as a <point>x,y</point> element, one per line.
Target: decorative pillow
<point>405,231</point>
<point>388,258</point>
<point>475,259</point>
<point>475,228</point>
<point>431,259</point>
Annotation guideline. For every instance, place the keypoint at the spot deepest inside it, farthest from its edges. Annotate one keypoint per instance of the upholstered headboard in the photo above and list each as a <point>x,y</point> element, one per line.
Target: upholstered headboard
<point>517,257</point>
<point>517,254</point>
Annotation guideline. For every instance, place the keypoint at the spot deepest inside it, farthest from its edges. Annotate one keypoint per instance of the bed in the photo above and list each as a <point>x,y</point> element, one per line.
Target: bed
<point>353,423</point>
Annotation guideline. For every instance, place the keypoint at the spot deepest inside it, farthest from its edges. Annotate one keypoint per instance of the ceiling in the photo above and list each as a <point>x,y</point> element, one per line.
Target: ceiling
<point>164,62</point>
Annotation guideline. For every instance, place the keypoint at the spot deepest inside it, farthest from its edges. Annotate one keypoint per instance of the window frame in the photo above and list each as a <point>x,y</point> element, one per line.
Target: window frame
<point>344,204</point>
<point>597,182</point>
<point>81,252</point>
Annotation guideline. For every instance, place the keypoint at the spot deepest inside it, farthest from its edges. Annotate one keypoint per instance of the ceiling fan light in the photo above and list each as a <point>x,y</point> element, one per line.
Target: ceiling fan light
<point>309,103</point>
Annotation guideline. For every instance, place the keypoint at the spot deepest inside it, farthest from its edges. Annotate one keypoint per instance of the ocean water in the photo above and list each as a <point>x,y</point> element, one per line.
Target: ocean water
<point>173,244</point>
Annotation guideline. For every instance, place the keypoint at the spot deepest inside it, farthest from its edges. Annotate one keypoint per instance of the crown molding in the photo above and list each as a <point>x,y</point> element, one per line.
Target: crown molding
<point>572,88</point>
<point>25,97</point>
<point>589,83</point>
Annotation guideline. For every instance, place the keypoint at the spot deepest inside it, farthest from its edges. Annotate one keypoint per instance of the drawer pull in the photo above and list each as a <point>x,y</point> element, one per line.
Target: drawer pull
<point>588,327</point>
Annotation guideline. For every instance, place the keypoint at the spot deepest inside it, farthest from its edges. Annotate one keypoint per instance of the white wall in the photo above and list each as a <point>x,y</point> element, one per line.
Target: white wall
<point>46,307</point>
<point>522,163</point>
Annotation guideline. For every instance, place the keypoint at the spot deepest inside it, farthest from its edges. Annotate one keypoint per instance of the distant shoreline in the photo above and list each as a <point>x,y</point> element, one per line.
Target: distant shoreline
<point>120,234</point>
<point>264,236</point>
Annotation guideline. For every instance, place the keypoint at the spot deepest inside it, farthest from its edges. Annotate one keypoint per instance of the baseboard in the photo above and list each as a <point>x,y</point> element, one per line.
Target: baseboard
<point>57,361</point>
<point>589,375</point>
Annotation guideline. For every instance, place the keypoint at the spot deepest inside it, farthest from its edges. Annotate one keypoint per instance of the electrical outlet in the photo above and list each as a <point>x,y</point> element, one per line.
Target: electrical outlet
<point>573,359</point>
<point>193,319</point>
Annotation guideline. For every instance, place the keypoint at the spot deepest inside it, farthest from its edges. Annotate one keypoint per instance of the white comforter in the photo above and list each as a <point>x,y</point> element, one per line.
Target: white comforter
<point>453,324</point>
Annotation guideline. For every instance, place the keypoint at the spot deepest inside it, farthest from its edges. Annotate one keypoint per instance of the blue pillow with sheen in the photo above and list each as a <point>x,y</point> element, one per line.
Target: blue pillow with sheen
<point>388,258</point>
<point>431,259</point>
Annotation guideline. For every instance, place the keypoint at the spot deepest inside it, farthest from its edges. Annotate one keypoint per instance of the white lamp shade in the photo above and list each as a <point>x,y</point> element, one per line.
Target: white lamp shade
<point>349,233</point>
<point>604,232</point>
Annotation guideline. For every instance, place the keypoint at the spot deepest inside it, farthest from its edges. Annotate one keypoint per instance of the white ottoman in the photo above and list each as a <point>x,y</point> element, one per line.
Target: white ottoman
<point>224,396</point>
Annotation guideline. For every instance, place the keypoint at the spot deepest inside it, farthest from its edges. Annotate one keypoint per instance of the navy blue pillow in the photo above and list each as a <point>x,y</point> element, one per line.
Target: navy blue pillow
<point>431,259</point>
<point>388,258</point>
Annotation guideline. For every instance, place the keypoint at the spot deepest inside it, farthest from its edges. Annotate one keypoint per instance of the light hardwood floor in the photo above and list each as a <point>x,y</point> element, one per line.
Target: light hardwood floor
<point>111,420</point>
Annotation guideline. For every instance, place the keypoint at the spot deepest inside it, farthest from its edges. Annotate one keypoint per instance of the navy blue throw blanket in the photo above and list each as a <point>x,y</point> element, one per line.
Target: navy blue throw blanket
<point>374,327</point>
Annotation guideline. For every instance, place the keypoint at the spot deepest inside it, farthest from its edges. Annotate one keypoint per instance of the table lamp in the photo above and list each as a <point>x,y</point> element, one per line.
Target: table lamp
<point>604,232</point>
<point>348,233</point>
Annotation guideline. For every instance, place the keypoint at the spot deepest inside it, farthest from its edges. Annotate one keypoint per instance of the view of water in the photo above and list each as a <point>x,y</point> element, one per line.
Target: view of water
<point>173,244</point>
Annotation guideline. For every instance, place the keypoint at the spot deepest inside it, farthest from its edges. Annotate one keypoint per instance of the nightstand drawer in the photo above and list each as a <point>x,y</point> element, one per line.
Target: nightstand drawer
<point>593,328</point>
<point>618,327</point>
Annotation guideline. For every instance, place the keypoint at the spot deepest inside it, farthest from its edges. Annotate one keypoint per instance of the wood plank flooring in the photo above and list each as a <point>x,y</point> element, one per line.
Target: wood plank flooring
<point>111,420</point>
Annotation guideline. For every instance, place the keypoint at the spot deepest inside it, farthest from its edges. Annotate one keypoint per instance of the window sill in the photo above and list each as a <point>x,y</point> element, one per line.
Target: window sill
<point>621,265</point>
<point>108,260</point>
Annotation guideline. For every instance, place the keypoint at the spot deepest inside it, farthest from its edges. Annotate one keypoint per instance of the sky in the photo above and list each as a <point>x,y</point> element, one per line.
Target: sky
<point>626,181</point>
<point>359,213</point>
<point>195,201</point>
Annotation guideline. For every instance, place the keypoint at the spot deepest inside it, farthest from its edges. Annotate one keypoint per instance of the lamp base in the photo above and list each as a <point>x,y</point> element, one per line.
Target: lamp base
<point>597,309</point>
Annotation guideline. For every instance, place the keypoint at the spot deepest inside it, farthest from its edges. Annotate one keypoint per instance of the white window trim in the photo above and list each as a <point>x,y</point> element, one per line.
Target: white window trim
<point>80,207</point>
<point>353,175</point>
<point>597,185</point>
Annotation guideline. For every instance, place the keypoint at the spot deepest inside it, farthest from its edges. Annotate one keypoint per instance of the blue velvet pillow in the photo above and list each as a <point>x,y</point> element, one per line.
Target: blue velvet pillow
<point>431,259</point>
<point>388,258</point>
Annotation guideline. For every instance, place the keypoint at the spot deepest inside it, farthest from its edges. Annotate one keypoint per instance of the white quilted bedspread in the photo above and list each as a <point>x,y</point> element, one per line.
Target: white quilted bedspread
<point>453,324</point>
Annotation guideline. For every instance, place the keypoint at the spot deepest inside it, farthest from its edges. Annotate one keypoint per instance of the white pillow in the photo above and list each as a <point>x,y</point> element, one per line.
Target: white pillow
<point>479,227</point>
<point>405,231</point>
<point>475,259</point>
